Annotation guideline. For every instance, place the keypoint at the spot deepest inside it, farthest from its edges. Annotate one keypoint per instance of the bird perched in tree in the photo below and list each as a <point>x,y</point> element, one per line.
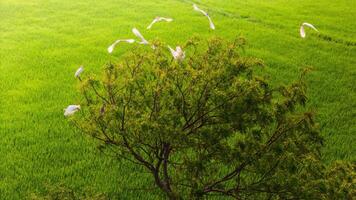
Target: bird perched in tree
<point>71,109</point>
<point>78,72</point>
<point>177,54</point>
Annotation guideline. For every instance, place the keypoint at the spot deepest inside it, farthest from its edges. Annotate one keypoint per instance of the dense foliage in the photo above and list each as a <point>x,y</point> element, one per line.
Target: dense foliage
<point>208,125</point>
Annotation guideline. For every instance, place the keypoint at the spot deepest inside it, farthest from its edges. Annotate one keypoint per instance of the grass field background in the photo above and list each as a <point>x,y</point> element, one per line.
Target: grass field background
<point>42,43</point>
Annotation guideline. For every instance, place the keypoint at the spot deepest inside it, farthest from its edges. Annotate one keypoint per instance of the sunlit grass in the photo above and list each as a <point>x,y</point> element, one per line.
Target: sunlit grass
<point>43,42</point>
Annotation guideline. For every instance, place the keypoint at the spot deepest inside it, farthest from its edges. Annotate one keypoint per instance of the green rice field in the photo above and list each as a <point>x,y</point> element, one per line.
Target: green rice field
<point>43,42</point>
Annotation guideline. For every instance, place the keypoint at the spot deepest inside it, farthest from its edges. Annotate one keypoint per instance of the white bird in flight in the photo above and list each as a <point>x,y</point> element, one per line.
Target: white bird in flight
<point>78,72</point>
<point>139,35</point>
<point>302,29</point>
<point>212,26</point>
<point>159,19</point>
<point>112,47</point>
<point>71,109</point>
<point>177,54</point>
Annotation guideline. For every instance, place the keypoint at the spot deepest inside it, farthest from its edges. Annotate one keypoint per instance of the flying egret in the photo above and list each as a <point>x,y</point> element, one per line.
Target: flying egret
<point>111,47</point>
<point>302,29</point>
<point>71,109</point>
<point>177,54</point>
<point>159,19</point>
<point>212,26</point>
<point>78,72</point>
<point>138,34</point>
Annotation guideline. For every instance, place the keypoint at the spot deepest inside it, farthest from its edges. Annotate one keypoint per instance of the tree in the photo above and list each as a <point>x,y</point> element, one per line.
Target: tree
<point>206,124</point>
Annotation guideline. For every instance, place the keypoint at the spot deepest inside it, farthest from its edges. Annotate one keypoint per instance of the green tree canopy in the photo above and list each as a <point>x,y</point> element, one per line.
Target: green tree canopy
<point>209,125</point>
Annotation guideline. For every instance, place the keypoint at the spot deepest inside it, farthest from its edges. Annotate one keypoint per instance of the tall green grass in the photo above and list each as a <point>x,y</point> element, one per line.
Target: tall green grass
<point>42,42</point>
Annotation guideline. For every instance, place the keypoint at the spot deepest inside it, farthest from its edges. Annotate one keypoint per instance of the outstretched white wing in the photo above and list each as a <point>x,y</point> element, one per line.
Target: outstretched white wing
<point>139,35</point>
<point>159,19</point>
<point>165,19</point>
<point>212,26</point>
<point>302,29</point>
<point>112,47</point>
<point>78,72</point>
<point>153,22</point>
<point>173,52</point>
<point>310,26</point>
<point>196,8</point>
